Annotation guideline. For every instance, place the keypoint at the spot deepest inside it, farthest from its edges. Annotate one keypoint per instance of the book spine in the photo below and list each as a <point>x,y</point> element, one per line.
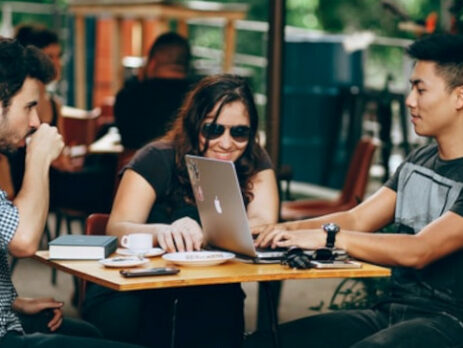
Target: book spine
<point>111,247</point>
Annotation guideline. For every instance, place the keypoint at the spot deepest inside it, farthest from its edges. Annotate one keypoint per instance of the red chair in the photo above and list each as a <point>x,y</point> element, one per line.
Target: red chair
<point>122,160</point>
<point>6,181</point>
<point>352,192</point>
<point>77,126</point>
<point>95,225</point>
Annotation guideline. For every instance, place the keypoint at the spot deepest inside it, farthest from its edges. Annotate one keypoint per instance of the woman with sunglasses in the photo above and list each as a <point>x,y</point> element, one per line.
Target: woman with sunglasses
<point>217,120</point>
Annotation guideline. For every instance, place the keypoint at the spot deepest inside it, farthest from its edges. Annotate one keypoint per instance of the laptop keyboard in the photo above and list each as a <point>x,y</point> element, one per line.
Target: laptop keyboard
<point>267,250</point>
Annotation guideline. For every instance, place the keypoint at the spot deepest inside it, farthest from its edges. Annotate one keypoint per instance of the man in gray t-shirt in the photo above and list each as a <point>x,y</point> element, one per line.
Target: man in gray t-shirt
<point>425,200</point>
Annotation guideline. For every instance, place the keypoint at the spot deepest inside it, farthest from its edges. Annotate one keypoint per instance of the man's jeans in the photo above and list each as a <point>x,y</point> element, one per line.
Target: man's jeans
<point>387,325</point>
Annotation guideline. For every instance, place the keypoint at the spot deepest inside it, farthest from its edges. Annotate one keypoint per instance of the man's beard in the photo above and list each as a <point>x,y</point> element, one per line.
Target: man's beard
<point>7,144</point>
<point>7,148</point>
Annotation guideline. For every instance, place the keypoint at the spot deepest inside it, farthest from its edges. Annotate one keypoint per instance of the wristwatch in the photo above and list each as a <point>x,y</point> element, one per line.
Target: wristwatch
<point>331,229</point>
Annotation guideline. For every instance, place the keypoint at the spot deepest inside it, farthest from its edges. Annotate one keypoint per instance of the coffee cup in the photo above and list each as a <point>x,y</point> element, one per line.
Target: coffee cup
<point>138,243</point>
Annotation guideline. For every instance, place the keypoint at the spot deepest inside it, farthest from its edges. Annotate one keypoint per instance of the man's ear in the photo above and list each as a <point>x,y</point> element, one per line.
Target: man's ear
<point>459,95</point>
<point>150,68</point>
<point>145,72</point>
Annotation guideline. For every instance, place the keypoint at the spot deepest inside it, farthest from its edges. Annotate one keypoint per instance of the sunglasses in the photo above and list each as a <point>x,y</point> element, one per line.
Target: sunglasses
<point>215,130</point>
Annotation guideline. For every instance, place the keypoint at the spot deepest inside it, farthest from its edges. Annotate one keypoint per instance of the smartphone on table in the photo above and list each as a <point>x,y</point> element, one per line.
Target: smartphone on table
<point>335,264</point>
<point>146,272</point>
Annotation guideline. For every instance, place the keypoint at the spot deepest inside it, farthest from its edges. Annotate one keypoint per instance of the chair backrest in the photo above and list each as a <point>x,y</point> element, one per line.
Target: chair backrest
<point>356,180</point>
<point>122,159</point>
<point>78,126</point>
<point>96,224</point>
<point>6,181</point>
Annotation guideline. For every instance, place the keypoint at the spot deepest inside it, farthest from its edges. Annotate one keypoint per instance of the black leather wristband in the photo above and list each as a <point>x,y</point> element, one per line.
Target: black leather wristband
<point>331,229</point>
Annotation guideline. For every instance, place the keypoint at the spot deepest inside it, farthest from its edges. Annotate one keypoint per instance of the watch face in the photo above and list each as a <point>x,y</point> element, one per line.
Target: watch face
<point>331,227</point>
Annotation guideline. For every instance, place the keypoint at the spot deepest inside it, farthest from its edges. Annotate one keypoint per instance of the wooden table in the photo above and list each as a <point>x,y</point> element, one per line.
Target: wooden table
<point>231,272</point>
<point>164,10</point>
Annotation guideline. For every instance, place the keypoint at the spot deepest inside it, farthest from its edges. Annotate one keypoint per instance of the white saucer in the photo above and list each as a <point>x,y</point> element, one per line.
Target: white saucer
<point>150,253</point>
<point>199,258</point>
<point>123,261</point>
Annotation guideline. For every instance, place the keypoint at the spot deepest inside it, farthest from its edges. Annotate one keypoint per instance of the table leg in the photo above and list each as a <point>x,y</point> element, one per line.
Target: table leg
<point>268,292</point>
<point>173,323</point>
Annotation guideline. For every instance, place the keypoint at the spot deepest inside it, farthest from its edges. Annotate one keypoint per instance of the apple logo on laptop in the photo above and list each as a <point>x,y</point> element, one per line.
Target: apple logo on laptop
<point>217,205</point>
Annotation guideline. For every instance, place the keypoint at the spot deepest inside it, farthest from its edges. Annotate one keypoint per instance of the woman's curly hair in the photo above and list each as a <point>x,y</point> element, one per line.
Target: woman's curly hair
<point>210,91</point>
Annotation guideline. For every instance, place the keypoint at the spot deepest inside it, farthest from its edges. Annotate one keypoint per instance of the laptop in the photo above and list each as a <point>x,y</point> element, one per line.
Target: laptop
<point>222,212</point>
<point>221,208</point>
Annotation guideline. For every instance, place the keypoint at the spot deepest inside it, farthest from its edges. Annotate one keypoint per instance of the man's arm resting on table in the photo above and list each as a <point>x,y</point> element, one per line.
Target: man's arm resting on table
<point>438,239</point>
<point>373,214</point>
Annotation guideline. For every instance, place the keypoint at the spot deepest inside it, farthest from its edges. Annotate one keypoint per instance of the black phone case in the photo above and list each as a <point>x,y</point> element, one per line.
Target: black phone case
<point>149,272</point>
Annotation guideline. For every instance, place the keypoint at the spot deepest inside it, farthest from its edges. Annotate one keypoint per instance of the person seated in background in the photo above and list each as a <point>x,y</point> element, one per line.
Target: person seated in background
<point>217,120</point>
<point>424,307</point>
<point>26,322</point>
<point>49,106</point>
<point>145,108</point>
<point>47,41</point>
<point>82,186</point>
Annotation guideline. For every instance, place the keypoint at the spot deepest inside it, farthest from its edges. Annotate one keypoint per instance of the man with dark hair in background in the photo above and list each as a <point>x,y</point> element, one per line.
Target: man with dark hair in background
<point>22,220</point>
<point>43,38</point>
<point>145,108</point>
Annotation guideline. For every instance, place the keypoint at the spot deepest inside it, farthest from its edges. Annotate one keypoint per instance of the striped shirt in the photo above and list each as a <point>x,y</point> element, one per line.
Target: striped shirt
<point>9,220</point>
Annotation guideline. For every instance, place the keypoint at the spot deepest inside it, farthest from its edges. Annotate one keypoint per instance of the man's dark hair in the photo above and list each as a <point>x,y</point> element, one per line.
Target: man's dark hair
<point>446,51</point>
<point>171,49</point>
<point>16,64</point>
<point>35,35</point>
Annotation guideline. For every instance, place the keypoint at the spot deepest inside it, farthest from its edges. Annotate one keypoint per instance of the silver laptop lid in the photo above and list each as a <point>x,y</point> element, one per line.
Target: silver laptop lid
<point>220,204</point>
<point>222,211</point>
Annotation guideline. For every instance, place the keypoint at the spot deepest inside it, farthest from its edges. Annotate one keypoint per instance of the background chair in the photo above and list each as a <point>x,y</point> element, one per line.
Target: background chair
<point>78,126</point>
<point>122,160</point>
<point>6,182</point>
<point>95,225</point>
<point>352,192</point>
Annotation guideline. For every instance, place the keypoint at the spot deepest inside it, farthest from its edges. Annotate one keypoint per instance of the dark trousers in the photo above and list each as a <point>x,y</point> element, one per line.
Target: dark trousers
<point>72,333</point>
<point>202,316</point>
<point>387,325</point>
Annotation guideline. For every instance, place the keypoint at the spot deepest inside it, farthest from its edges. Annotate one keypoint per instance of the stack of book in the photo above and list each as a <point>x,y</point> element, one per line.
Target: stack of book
<point>82,247</point>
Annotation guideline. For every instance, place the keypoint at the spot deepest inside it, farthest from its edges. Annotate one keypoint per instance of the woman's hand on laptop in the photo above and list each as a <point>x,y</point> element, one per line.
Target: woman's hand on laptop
<point>184,234</point>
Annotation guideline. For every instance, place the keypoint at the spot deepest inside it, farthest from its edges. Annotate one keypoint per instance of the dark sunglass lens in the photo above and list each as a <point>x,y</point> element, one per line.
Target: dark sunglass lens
<point>212,130</point>
<point>240,133</point>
